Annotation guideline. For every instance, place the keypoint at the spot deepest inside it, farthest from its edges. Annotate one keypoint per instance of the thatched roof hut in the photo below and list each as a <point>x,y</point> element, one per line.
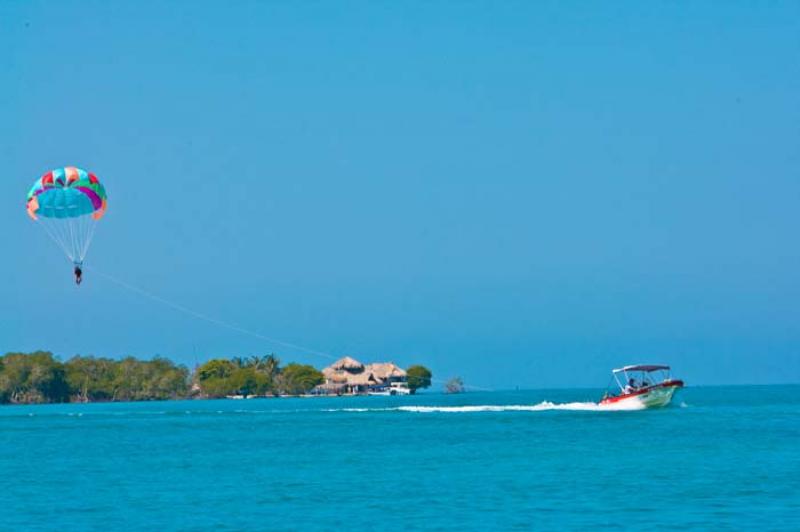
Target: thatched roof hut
<point>362,379</point>
<point>385,370</point>
<point>351,375</point>
<point>332,375</point>
<point>347,364</point>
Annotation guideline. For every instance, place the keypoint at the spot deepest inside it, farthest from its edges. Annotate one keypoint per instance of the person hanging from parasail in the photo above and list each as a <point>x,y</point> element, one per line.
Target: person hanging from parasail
<point>67,202</point>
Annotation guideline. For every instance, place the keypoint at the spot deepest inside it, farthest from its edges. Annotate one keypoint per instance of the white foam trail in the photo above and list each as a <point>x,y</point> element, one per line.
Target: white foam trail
<point>541,407</point>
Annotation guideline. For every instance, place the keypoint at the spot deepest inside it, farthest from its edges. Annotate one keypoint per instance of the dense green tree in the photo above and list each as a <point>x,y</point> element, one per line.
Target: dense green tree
<point>255,375</point>
<point>243,381</point>
<point>215,377</point>
<point>216,368</point>
<point>159,378</point>
<point>297,379</point>
<point>162,379</point>
<point>90,378</point>
<point>32,378</point>
<point>39,377</point>
<point>418,377</point>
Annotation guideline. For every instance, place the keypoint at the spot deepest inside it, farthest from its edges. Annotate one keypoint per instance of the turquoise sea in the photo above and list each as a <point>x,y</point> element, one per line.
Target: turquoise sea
<point>718,458</point>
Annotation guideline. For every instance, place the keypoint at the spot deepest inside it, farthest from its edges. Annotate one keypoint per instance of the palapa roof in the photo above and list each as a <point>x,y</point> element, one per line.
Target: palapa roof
<point>385,370</point>
<point>361,379</point>
<point>332,375</point>
<point>347,363</point>
<point>353,373</point>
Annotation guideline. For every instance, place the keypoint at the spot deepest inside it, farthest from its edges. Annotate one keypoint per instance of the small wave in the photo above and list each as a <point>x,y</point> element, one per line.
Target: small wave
<point>357,409</point>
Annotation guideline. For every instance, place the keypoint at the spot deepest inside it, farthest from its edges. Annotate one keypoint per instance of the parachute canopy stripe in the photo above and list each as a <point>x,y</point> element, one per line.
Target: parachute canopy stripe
<point>67,193</point>
<point>97,201</point>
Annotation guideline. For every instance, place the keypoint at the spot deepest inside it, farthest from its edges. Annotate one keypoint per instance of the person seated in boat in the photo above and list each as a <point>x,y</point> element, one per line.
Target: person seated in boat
<point>630,387</point>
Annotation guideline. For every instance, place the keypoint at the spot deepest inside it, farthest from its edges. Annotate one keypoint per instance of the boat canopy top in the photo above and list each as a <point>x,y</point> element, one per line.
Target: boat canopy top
<point>642,367</point>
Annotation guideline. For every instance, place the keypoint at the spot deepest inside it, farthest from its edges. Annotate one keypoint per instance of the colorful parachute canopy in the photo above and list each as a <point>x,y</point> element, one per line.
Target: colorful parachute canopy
<point>68,202</point>
<point>67,193</point>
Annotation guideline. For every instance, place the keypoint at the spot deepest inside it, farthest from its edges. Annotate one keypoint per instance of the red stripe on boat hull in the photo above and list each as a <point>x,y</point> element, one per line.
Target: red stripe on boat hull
<point>674,383</point>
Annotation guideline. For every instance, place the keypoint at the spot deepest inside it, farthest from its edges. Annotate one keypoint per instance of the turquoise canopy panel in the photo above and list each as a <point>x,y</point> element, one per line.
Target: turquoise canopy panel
<point>64,203</point>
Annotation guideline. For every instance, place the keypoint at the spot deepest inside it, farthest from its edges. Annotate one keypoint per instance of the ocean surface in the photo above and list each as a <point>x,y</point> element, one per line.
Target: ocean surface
<point>718,458</point>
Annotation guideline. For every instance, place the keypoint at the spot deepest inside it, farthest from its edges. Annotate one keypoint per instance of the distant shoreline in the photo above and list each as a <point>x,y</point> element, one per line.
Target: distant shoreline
<point>41,378</point>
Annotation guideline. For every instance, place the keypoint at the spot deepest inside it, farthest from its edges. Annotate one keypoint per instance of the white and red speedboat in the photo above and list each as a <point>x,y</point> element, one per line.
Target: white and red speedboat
<point>643,385</point>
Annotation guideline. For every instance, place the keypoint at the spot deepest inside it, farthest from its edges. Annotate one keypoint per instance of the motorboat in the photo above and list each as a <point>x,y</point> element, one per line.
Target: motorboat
<point>399,388</point>
<point>643,386</point>
<point>394,388</point>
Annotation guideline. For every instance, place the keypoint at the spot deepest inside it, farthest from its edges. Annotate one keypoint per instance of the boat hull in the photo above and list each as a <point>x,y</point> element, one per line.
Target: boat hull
<point>652,397</point>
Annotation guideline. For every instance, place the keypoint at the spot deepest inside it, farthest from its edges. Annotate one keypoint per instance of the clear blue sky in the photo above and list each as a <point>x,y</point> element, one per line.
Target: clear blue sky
<point>523,193</point>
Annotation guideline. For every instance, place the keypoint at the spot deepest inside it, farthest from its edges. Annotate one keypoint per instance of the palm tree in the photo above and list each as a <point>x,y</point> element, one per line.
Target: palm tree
<point>272,364</point>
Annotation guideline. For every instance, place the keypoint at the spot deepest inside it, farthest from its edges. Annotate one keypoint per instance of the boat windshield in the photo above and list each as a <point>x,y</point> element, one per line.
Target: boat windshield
<point>636,378</point>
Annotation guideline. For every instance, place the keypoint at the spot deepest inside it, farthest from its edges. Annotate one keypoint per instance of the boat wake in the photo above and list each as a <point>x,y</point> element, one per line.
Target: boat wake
<point>540,407</point>
<point>413,409</point>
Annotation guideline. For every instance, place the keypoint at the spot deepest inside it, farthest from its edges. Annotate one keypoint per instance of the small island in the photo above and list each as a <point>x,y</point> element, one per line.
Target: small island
<point>40,377</point>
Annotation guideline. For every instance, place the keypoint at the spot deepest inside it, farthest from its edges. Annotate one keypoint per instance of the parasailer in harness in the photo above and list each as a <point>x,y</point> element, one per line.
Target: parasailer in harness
<point>68,202</point>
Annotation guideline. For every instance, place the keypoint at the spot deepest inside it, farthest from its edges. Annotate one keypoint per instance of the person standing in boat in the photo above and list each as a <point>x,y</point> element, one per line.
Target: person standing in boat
<point>630,387</point>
